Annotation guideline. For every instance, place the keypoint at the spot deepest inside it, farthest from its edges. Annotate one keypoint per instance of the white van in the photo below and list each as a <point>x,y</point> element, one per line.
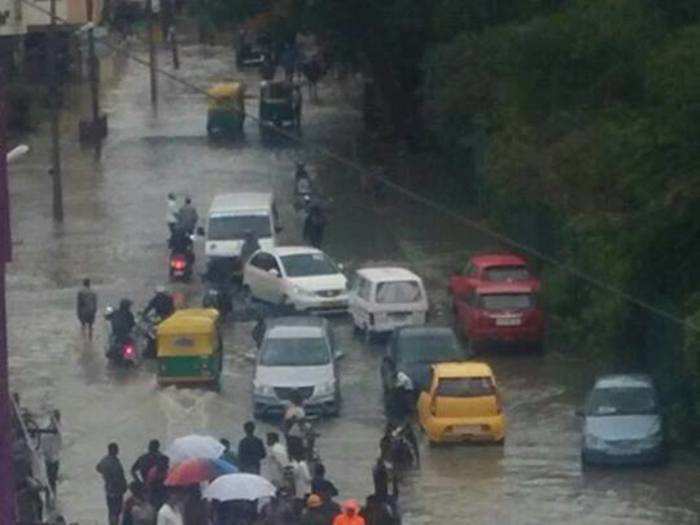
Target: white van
<point>232,214</point>
<point>383,299</point>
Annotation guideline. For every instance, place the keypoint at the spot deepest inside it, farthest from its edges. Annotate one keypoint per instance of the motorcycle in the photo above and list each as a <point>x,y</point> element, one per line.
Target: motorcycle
<point>121,352</point>
<point>215,296</point>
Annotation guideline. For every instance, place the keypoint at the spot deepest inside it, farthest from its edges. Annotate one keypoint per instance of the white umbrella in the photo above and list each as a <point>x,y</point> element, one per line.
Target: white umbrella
<point>239,486</point>
<point>194,447</point>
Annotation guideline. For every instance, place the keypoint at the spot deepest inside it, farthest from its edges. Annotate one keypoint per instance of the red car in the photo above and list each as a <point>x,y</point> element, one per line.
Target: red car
<point>500,314</point>
<point>492,268</point>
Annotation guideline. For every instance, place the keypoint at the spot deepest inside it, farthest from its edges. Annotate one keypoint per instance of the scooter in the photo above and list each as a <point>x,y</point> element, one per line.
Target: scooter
<point>122,353</point>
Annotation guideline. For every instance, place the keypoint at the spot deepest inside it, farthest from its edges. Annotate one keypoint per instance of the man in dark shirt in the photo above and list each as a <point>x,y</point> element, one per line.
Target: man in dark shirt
<point>115,482</point>
<point>151,469</point>
<point>251,450</point>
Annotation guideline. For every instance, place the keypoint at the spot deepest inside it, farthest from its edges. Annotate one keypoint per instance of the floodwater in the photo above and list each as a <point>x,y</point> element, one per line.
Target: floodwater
<point>115,233</point>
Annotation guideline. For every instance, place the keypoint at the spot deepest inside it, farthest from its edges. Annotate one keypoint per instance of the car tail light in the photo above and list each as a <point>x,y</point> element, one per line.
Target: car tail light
<point>178,263</point>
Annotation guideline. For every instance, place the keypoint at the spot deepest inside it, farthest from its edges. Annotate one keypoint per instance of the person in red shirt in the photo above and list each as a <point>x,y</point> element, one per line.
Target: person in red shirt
<point>350,514</point>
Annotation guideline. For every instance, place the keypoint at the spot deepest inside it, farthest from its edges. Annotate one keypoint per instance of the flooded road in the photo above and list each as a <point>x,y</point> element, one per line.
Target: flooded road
<point>115,233</point>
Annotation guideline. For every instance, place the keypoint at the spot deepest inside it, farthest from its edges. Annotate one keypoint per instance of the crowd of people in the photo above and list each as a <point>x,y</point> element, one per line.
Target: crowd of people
<point>304,494</point>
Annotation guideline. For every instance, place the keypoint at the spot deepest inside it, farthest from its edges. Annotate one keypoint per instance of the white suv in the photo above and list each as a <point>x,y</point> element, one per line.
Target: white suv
<point>300,276</point>
<point>297,354</point>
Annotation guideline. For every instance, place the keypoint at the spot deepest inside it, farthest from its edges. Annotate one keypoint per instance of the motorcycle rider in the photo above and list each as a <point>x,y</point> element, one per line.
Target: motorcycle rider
<point>181,243</point>
<point>219,273</point>
<point>187,217</point>
<point>161,303</point>
<point>122,323</point>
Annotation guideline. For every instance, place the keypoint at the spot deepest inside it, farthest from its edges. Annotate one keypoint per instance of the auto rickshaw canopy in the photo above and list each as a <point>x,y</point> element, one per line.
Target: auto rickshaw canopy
<point>191,331</point>
<point>227,94</point>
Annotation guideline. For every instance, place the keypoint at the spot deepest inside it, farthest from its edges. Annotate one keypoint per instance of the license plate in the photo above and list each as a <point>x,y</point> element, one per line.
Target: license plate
<point>508,321</point>
<point>469,429</point>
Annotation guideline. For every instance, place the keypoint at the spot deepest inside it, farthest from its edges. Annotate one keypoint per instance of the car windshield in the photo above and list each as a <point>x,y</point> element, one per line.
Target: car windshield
<point>308,264</point>
<point>465,387</point>
<point>500,274</point>
<point>398,292</point>
<point>304,351</point>
<point>628,401</point>
<point>234,227</point>
<point>428,348</point>
<point>506,301</point>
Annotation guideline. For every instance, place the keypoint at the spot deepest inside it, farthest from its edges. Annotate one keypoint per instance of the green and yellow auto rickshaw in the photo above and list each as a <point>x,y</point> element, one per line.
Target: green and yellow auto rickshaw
<point>226,114</point>
<point>190,349</point>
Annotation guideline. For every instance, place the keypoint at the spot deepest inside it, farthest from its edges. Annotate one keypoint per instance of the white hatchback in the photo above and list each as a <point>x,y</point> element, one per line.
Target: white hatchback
<point>299,276</point>
<point>383,299</point>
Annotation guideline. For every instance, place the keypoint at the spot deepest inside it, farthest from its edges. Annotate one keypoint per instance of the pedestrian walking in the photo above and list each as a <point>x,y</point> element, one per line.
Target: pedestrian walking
<point>251,450</point>
<point>250,246</point>
<point>300,470</point>
<point>315,225</point>
<point>51,443</point>
<point>86,308</point>
<point>277,459</point>
<point>171,214</point>
<point>228,455</point>
<point>137,509</point>
<point>187,217</point>
<point>320,485</point>
<point>114,481</point>
<point>313,513</point>
<point>151,469</point>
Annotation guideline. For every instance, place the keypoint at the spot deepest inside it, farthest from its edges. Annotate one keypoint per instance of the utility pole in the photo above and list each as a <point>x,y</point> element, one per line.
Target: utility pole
<point>152,53</point>
<point>173,44</point>
<point>7,489</point>
<point>54,94</point>
<point>96,129</point>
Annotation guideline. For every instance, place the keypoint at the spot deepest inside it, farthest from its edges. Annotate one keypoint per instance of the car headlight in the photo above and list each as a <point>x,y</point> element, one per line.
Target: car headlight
<point>593,441</point>
<point>298,290</point>
<point>325,389</point>
<point>263,390</point>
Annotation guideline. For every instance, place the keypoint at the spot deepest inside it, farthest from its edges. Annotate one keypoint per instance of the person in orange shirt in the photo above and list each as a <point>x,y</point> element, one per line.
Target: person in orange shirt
<point>350,514</point>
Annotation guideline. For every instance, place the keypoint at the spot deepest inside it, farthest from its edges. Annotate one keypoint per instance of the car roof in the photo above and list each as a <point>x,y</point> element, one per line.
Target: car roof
<point>498,259</point>
<point>281,251</point>
<point>241,201</point>
<point>463,369</point>
<point>289,331</point>
<point>389,273</point>
<point>424,330</point>
<point>624,380</point>
<point>505,288</point>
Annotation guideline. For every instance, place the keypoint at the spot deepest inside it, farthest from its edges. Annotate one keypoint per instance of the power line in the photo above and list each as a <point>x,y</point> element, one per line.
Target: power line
<point>416,197</point>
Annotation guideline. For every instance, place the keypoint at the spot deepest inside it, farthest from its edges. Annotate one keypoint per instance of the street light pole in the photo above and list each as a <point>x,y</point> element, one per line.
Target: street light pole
<point>55,129</point>
<point>7,494</point>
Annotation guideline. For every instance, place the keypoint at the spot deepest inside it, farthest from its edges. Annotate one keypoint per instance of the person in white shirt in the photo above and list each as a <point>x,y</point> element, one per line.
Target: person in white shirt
<point>302,475</point>
<point>277,459</point>
<point>169,513</point>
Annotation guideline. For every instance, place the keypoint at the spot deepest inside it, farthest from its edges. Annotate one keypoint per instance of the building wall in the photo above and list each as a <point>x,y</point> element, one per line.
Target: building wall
<point>38,16</point>
<point>77,11</point>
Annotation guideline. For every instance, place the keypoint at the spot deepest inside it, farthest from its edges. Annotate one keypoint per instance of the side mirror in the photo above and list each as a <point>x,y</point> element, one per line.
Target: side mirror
<point>339,354</point>
<point>274,271</point>
<point>200,231</point>
<point>341,267</point>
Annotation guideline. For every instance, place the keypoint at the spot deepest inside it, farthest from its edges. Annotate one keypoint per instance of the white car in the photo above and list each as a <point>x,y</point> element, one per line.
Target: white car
<point>300,276</point>
<point>383,299</point>
<point>297,354</point>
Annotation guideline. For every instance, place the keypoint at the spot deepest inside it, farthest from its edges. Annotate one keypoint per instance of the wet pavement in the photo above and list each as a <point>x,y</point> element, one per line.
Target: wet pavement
<point>115,233</point>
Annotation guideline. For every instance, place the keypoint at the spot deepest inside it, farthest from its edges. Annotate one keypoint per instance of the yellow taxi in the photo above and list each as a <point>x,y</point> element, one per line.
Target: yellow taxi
<point>462,403</point>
